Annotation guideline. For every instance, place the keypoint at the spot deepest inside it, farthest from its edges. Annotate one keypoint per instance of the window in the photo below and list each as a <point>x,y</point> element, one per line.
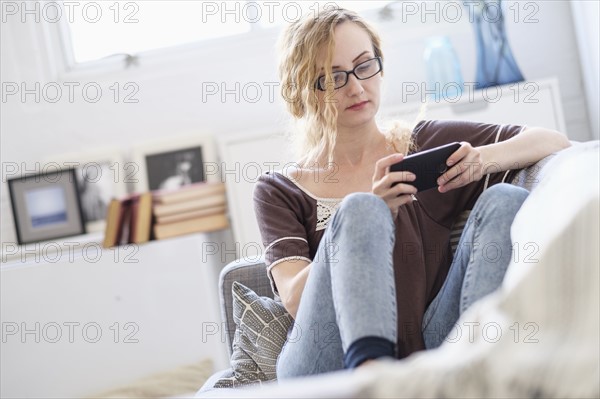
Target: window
<point>99,29</point>
<point>106,28</point>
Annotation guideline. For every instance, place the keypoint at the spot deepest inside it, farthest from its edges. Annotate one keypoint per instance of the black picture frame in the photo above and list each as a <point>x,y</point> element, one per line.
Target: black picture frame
<point>46,206</point>
<point>172,162</point>
<point>176,168</point>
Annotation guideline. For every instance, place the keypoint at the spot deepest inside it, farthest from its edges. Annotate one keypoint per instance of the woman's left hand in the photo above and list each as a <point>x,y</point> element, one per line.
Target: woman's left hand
<point>464,166</point>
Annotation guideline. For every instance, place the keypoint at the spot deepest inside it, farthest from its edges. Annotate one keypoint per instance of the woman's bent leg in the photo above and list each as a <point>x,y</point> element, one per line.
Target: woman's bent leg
<point>482,257</point>
<point>350,292</point>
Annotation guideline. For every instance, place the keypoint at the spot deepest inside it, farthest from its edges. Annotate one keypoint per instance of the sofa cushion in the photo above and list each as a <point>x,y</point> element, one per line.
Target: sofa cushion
<point>571,178</point>
<point>261,331</point>
<point>250,272</point>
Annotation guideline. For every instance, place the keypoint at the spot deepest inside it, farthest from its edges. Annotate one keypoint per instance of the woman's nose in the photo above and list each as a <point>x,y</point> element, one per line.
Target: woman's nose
<point>354,86</point>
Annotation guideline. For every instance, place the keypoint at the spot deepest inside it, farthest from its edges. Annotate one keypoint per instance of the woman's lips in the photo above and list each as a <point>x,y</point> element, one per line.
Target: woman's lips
<point>358,106</point>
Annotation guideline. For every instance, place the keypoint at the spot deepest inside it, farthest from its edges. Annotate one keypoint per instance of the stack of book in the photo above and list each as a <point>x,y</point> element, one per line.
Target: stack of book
<point>138,218</point>
<point>128,220</point>
<point>199,207</point>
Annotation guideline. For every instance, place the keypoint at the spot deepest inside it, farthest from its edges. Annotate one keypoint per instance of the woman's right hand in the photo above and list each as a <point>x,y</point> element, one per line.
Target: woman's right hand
<point>383,180</point>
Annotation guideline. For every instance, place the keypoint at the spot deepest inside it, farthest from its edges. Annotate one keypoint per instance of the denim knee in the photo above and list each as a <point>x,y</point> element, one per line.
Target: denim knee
<point>364,208</point>
<point>502,197</point>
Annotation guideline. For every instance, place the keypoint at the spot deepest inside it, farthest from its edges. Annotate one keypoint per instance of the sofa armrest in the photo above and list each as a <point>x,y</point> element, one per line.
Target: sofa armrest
<point>252,274</point>
<point>529,177</point>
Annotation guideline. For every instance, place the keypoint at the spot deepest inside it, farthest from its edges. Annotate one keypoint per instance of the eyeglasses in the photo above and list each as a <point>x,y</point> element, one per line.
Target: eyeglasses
<point>362,71</point>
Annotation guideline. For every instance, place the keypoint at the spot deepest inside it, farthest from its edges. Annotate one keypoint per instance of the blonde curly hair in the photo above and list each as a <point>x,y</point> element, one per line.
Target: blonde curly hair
<point>298,48</point>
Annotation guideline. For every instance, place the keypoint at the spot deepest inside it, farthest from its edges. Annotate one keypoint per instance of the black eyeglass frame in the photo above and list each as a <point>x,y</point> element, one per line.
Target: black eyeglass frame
<point>352,71</point>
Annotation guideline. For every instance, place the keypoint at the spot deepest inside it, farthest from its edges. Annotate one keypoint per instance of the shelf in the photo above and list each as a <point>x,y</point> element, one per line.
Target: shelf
<point>531,103</point>
<point>88,248</point>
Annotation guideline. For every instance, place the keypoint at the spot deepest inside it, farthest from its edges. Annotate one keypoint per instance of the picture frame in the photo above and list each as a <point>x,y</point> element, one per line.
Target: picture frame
<point>101,175</point>
<point>173,162</point>
<point>46,206</point>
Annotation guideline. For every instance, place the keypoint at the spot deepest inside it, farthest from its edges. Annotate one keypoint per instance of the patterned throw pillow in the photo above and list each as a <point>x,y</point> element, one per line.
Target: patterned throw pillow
<point>262,325</point>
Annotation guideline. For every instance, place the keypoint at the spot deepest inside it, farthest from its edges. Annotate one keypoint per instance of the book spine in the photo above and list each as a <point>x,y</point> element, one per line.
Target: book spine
<point>189,194</point>
<point>198,225</point>
<point>187,206</point>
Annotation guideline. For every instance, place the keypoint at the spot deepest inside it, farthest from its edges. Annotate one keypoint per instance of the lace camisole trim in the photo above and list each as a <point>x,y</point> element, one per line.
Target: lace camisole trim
<point>326,207</point>
<point>325,210</point>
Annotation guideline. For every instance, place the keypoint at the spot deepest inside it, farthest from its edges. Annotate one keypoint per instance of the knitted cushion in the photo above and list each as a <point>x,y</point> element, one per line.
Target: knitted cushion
<point>261,331</point>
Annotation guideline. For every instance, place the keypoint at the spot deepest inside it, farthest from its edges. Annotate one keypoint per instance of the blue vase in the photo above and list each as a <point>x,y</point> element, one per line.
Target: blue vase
<point>496,64</point>
<point>442,67</point>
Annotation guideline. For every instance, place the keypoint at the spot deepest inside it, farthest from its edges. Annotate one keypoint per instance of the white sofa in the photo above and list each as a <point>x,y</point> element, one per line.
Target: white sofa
<point>538,336</point>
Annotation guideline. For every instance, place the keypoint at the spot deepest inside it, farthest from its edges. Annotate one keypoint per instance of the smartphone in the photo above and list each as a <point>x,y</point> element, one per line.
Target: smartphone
<point>427,165</point>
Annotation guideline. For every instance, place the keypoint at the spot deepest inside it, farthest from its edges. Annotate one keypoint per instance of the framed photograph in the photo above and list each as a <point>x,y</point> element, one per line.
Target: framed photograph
<point>174,162</point>
<point>46,206</point>
<point>101,175</point>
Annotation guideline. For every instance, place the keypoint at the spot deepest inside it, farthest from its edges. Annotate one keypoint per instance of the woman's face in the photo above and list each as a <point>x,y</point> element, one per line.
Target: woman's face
<point>358,101</point>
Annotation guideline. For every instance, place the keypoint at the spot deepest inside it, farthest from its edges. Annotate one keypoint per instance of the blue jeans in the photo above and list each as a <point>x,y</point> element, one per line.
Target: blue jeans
<point>480,262</point>
<point>352,257</point>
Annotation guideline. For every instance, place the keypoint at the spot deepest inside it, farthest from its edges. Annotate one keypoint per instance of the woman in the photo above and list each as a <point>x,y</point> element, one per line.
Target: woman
<point>359,258</point>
